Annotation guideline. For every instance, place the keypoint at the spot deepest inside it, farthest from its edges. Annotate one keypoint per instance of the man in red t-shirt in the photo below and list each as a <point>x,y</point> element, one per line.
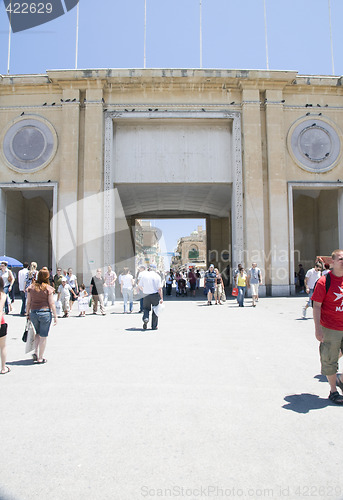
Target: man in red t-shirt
<point>328,321</point>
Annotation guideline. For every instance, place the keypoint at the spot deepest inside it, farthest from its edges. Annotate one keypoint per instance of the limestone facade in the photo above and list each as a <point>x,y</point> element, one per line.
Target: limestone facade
<point>191,251</point>
<point>84,154</point>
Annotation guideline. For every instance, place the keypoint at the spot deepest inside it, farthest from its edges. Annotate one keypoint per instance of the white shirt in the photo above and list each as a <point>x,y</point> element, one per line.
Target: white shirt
<point>312,277</point>
<point>64,291</point>
<point>150,282</point>
<point>71,280</point>
<point>22,275</point>
<point>5,275</point>
<point>126,281</point>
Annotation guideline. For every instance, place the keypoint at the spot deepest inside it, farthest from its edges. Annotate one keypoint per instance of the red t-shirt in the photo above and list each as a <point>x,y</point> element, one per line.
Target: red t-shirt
<point>332,302</point>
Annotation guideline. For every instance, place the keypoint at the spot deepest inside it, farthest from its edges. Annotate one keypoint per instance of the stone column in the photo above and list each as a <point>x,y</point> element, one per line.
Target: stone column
<point>93,182</point>
<point>3,212</point>
<point>278,261</point>
<point>66,254</point>
<point>253,182</point>
<point>237,192</point>
<point>340,218</point>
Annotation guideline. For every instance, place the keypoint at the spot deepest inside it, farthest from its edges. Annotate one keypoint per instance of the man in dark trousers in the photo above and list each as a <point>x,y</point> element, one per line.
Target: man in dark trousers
<point>328,320</point>
<point>151,285</point>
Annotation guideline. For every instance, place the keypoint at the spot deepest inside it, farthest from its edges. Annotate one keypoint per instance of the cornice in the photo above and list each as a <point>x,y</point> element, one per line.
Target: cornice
<point>169,79</point>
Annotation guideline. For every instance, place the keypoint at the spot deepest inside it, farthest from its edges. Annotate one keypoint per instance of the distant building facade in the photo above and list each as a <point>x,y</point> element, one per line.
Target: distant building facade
<point>147,246</point>
<point>258,154</point>
<point>191,251</point>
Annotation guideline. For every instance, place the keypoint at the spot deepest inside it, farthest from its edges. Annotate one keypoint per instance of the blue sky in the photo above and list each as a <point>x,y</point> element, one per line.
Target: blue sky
<point>111,35</point>
<point>173,229</point>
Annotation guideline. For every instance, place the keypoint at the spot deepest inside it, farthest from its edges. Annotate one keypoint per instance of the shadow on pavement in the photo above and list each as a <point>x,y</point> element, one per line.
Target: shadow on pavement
<point>21,362</point>
<point>304,403</point>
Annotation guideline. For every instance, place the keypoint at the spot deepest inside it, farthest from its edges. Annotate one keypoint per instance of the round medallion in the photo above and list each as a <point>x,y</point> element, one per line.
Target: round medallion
<point>314,144</point>
<point>29,143</point>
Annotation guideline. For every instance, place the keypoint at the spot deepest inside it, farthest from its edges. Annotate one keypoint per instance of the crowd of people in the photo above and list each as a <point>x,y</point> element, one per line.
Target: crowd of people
<point>43,294</point>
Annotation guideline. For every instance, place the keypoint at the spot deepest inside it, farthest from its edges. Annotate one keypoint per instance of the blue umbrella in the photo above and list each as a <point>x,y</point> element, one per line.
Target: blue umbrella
<point>11,261</point>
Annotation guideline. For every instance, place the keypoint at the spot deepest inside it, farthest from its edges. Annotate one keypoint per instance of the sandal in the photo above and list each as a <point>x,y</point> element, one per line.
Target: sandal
<point>45,361</point>
<point>339,383</point>
<point>7,370</point>
<point>35,357</point>
<point>336,398</point>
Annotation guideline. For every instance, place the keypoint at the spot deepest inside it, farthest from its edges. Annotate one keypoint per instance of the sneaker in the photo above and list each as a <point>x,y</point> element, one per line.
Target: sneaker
<point>304,312</point>
<point>336,398</point>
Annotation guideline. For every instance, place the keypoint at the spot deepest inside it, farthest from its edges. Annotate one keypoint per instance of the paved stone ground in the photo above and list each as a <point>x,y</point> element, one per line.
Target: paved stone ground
<point>220,402</point>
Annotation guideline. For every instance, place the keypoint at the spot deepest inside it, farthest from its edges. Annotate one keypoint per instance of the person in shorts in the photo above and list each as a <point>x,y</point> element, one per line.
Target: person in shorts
<point>64,291</point>
<point>328,321</point>
<point>210,283</point>
<point>40,309</point>
<point>254,280</point>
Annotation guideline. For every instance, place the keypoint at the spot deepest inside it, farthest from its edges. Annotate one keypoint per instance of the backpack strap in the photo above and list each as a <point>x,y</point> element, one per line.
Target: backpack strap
<point>327,281</point>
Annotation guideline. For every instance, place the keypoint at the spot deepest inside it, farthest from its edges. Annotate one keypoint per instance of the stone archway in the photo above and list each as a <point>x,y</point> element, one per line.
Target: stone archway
<point>173,161</point>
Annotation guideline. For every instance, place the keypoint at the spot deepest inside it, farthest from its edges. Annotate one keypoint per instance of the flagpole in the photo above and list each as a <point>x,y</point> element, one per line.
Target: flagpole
<point>265,33</point>
<point>77,36</point>
<point>144,34</point>
<point>200,31</point>
<point>331,41</point>
<point>9,46</point>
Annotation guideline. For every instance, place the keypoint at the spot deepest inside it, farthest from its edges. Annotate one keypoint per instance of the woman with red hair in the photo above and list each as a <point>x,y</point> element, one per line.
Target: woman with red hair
<point>40,308</point>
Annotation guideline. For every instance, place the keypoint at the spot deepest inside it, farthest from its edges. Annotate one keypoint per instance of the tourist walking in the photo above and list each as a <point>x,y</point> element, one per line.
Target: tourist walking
<point>126,287</point>
<point>22,276</point>
<point>64,291</point>
<point>109,286</point>
<point>210,283</point>
<point>254,279</point>
<point>151,285</point>
<point>82,300</point>
<point>58,279</point>
<point>31,275</point>
<point>169,283</point>
<point>198,276</point>
<point>219,287</point>
<point>241,285</point>
<point>97,291</point>
<point>11,294</point>
<point>192,281</point>
<point>312,276</point>
<point>40,308</point>
<point>328,321</point>
<point>7,276</point>
<point>3,330</point>
<point>72,281</point>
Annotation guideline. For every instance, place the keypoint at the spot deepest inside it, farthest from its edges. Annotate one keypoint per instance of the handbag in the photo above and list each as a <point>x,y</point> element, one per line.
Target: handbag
<point>31,334</point>
<point>3,330</point>
<point>223,296</point>
<point>24,337</point>
<point>234,292</point>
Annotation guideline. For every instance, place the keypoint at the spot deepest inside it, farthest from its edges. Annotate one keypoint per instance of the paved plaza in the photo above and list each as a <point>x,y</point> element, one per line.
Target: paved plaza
<point>220,402</point>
